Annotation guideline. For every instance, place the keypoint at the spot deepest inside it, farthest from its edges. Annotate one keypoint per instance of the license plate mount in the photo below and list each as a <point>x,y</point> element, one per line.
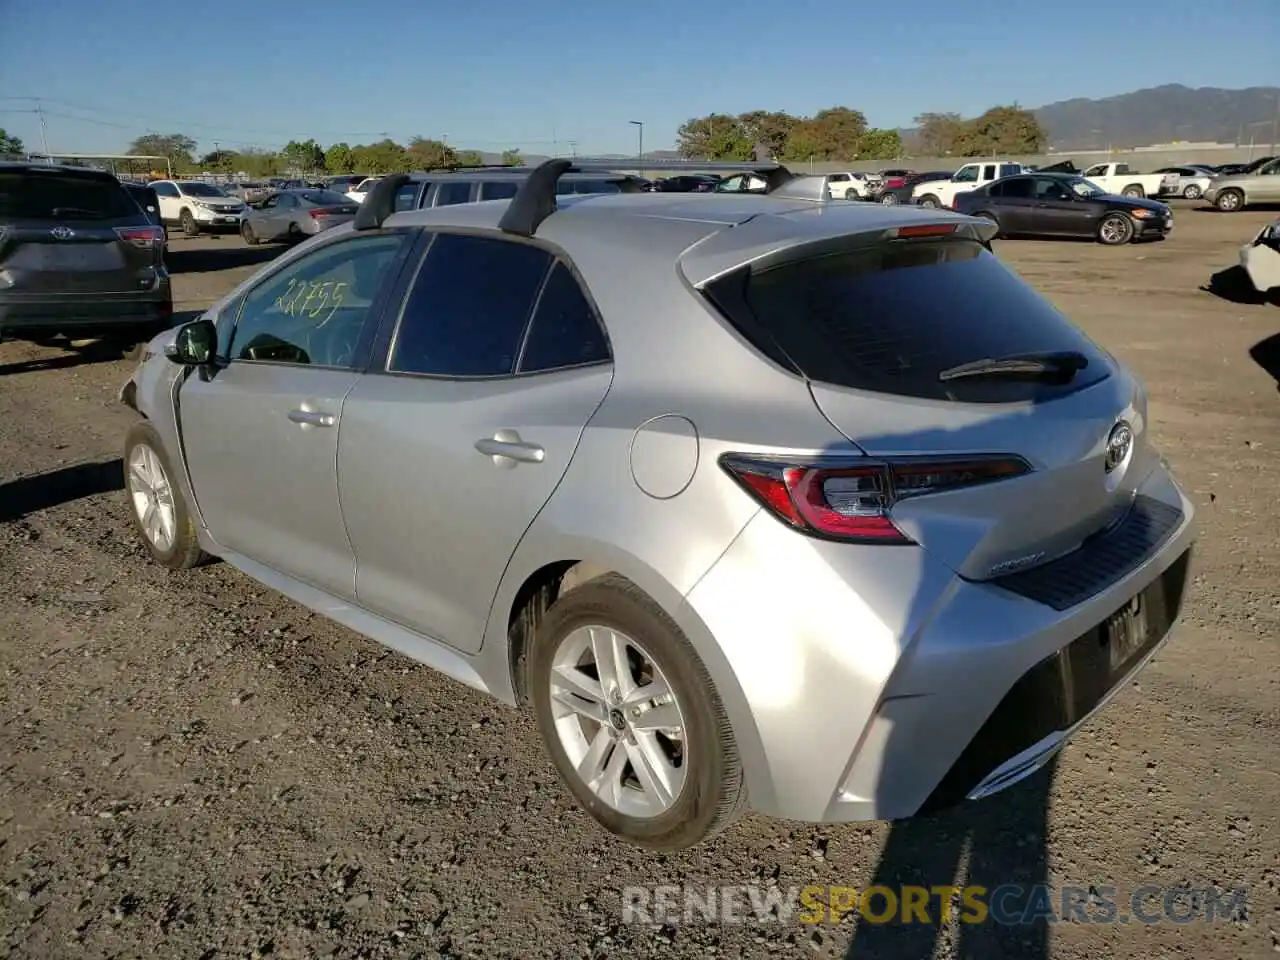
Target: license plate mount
<point>1127,633</point>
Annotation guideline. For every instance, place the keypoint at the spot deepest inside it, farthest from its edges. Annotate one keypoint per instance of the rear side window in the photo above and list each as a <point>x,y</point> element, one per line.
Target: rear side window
<point>564,332</point>
<point>498,189</point>
<point>52,196</point>
<point>407,197</point>
<point>892,317</point>
<point>469,307</point>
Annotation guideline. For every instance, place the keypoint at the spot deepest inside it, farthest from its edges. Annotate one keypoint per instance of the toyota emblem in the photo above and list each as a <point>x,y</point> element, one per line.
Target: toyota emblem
<point>62,233</point>
<point>1119,443</point>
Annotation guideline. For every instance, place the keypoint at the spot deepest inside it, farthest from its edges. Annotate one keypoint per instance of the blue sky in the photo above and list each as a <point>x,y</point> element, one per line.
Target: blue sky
<point>537,76</point>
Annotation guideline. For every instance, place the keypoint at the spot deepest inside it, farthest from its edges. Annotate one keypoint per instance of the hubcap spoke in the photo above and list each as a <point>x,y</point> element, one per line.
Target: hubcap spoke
<point>663,716</point>
<point>655,773</point>
<point>591,768</point>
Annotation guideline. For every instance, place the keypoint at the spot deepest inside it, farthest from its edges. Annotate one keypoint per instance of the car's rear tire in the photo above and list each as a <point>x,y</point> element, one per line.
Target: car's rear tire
<point>247,234</point>
<point>160,515</point>
<point>1133,192</point>
<point>1115,230</point>
<point>659,765</point>
<point>1229,201</point>
<point>189,226</point>
<point>1192,192</point>
<point>889,199</point>
<point>929,200</point>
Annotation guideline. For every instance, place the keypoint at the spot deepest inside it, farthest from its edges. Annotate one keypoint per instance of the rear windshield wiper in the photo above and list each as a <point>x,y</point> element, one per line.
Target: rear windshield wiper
<point>1056,367</point>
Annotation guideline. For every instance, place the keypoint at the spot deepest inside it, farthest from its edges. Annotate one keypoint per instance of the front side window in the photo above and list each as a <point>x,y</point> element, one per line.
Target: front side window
<point>469,306</point>
<point>966,175</point>
<point>313,311</point>
<point>451,192</point>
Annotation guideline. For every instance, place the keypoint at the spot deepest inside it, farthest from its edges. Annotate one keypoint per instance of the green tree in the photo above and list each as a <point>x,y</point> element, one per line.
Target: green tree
<point>217,160</point>
<point>338,159</point>
<point>258,163</point>
<point>937,133</point>
<point>512,158</point>
<point>768,128</point>
<point>426,154</point>
<point>305,156</point>
<point>177,147</point>
<point>10,144</point>
<point>470,158</point>
<point>1002,129</point>
<point>385,156</point>
<point>715,137</point>
<point>877,144</point>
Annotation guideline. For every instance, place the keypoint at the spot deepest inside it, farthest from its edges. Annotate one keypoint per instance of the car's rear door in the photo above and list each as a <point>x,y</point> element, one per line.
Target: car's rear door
<point>260,435</point>
<point>446,456</point>
<point>60,236</point>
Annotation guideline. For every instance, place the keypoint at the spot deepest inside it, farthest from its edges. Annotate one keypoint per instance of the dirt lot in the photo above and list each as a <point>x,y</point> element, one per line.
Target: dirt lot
<point>193,767</point>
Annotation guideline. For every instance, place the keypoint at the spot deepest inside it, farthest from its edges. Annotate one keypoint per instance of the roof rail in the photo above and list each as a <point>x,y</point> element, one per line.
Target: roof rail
<point>380,203</point>
<point>536,198</point>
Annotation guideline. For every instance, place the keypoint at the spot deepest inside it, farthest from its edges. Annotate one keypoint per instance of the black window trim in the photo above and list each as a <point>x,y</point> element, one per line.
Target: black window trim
<point>385,341</point>
<point>372,321</point>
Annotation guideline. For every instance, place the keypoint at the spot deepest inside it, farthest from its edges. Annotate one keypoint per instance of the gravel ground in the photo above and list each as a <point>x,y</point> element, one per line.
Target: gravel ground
<point>191,766</point>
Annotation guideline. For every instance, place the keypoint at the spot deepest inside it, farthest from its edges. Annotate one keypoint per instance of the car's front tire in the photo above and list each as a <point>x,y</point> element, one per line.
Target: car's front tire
<point>1115,230</point>
<point>631,718</point>
<point>189,226</point>
<point>247,234</point>
<point>160,514</point>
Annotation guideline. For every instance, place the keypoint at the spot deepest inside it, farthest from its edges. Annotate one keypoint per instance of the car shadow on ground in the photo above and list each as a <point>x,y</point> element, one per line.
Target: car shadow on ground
<point>230,253</point>
<point>80,352</point>
<point>1266,354</point>
<point>1233,284</point>
<point>27,495</point>
<point>1000,844</point>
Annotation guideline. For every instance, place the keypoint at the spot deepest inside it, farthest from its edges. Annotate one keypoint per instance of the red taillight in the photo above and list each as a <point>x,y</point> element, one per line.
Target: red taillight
<point>319,213</point>
<point>851,500</point>
<point>144,238</point>
<point>926,230</point>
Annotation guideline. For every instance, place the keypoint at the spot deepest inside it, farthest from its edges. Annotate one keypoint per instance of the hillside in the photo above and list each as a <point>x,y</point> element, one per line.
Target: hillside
<point>1162,115</point>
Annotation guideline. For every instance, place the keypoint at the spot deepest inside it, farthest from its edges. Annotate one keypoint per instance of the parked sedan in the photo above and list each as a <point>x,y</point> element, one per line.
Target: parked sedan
<point>296,214</point>
<point>1191,182</point>
<point>1061,205</point>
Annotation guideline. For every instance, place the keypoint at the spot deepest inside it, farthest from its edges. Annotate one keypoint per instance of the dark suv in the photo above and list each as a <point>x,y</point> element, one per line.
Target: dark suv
<point>78,257</point>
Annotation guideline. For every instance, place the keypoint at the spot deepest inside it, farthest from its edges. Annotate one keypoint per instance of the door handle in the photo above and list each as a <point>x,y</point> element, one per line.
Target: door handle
<point>312,418</point>
<point>507,449</point>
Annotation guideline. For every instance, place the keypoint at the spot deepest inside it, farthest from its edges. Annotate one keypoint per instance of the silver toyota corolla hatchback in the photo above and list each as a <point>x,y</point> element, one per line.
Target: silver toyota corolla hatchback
<point>815,508</point>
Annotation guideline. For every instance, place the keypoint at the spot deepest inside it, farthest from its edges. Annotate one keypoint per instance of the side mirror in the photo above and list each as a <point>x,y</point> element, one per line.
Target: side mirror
<point>195,344</point>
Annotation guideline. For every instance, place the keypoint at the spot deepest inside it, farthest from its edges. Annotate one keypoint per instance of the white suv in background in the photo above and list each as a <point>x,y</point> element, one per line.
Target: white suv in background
<point>852,186</point>
<point>197,205</point>
<point>361,190</point>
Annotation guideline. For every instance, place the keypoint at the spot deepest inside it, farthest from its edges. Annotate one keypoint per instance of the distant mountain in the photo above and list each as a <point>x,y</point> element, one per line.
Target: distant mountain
<point>1162,115</point>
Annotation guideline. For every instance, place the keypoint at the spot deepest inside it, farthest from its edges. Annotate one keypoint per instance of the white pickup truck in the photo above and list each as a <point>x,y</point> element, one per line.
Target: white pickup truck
<point>941,193</point>
<point>1121,179</point>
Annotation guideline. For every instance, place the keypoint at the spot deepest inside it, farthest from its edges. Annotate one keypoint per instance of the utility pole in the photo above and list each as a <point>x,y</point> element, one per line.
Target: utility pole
<point>573,149</point>
<point>217,155</point>
<point>639,125</point>
<point>44,132</point>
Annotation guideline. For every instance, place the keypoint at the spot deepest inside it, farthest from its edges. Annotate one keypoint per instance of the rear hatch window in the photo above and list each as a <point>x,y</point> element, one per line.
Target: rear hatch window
<point>58,196</point>
<point>891,317</point>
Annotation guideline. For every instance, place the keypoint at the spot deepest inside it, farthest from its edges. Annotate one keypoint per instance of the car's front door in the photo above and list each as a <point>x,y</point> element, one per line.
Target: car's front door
<point>260,434</point>
<point>1265,187</point>
<point>1060,212</point>
<point>448,454</point>
<point>267,220</point>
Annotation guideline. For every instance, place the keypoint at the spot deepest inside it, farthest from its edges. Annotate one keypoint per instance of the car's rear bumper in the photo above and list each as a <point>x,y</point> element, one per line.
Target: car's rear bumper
<point>103,314</point>
<point>879,685</point>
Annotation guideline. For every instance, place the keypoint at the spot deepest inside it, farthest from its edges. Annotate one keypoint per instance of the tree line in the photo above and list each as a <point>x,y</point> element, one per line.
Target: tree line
<point>842,134</point>
<point>310,157</point>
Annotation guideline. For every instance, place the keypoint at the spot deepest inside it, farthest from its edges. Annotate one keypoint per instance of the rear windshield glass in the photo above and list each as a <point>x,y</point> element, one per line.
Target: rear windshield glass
<point>587,186</point>
<point>53,197</point>
<point>890,318</point>
<point>326,197</point>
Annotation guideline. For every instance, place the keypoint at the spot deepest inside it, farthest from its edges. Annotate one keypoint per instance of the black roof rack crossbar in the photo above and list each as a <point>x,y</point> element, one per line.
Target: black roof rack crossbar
<point>380,202</point>
<point>536,198</point>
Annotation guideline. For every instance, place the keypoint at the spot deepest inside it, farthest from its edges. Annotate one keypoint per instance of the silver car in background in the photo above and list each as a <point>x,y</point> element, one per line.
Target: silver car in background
<point>1189,182</point>
<point>1240,190</point>
<point>294,215</point>
<point>812,507</point>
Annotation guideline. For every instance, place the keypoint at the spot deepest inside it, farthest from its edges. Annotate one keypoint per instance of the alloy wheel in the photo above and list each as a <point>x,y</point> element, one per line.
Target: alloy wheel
<point>619,721</point>
<point>152,497</point>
